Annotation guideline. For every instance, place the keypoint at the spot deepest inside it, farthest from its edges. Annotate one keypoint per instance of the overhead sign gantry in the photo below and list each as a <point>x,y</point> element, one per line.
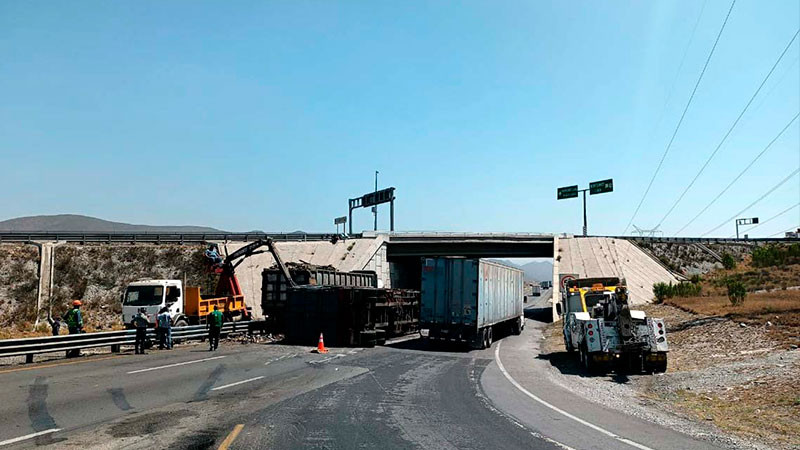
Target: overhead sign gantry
<point>373,199</point>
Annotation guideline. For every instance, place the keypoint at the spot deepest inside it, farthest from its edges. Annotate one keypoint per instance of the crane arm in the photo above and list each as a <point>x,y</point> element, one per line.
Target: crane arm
<point>229,282</point>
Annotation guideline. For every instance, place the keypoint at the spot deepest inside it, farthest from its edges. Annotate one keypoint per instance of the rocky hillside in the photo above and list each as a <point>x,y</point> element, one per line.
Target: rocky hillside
<point>95,274</point>
<point>19,282</point>
<point>692,259</point>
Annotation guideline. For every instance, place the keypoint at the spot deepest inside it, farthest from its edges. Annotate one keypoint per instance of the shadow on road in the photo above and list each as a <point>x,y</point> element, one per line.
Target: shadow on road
<point>431,346</point>
<point>544,315</point>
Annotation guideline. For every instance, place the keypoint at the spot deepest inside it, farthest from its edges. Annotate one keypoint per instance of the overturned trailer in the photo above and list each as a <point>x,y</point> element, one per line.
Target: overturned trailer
<point>349,315</point>
<point>275,287</point>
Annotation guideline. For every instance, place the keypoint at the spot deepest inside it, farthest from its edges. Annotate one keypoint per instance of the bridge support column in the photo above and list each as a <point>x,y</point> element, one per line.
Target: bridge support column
<point>555,297</point>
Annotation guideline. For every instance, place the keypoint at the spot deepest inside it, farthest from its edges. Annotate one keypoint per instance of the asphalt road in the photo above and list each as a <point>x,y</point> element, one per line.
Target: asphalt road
<point>281,397</point>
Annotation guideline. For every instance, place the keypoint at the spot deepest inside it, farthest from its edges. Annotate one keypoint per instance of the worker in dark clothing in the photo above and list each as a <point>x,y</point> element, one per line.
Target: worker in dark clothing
<point>214,326</point>
<point>55,324</point>
<point>141,323</point>
<point>74,321</point>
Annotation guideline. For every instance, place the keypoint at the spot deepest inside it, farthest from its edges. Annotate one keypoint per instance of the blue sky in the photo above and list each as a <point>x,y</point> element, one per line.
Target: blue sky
<point>270,114</point>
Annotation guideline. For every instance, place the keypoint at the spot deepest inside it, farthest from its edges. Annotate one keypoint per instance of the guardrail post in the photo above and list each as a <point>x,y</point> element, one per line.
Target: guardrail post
<point>115,348</point>
<point>29,358</point>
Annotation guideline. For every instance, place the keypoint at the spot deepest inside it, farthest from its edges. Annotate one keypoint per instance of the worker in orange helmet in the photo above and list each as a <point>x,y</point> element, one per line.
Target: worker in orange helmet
<point>74,321</point>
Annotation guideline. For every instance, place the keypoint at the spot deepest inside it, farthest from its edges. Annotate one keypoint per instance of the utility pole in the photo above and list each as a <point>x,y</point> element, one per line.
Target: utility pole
<point>375,208</point>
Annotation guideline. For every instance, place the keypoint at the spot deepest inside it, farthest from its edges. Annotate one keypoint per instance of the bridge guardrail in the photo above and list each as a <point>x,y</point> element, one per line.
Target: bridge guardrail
<point>49,344</point>
<point>158,238</point>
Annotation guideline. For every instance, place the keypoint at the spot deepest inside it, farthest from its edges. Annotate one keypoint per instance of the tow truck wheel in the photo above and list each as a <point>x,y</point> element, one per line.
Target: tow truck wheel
<point>586,359</point>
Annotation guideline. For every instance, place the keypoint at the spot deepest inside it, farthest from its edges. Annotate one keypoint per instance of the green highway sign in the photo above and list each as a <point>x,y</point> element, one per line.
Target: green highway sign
<point>600,187</point>
<point>567,192</point>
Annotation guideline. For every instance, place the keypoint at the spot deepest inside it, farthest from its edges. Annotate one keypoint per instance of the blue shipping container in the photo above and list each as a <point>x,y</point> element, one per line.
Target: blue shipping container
<point>466,299</point>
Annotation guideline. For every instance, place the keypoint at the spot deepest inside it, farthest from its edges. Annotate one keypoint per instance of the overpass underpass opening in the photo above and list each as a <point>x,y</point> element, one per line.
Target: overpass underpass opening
<point>405,254</point>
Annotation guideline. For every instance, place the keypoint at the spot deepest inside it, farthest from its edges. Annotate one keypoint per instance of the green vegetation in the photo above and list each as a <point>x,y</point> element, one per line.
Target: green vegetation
<point>736,291</point>
<point>728,262</point>
<point>663,291</point>
<point>776,255</point>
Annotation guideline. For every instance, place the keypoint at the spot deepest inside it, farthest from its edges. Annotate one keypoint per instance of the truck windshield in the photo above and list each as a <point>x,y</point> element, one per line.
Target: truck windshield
<point>592,300</point>
<point>143,295</point>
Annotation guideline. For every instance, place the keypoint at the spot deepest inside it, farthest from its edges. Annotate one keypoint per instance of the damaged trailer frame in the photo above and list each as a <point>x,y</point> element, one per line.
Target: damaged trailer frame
<point>275,287</point>
<point>349,315</point>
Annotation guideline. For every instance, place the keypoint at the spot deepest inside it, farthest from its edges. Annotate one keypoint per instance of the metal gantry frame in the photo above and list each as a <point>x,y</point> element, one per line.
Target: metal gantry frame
<point>372,199</point>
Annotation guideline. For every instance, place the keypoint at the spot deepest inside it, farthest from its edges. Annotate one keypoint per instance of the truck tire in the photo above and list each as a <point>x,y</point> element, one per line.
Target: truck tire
<point>568,346</point>
<point>661,367</point>
<point>586,360</point>
<point>516,328</point>
<point>482,336</point>
<point>489,337</point>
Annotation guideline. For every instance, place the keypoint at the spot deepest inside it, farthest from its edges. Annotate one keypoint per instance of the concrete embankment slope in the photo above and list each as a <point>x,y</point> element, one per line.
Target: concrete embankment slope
<point>348,255</point>
<point>609,257</point>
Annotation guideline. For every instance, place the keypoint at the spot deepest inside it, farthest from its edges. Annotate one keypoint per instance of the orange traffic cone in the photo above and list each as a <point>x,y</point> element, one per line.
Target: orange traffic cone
<point>321,346</point>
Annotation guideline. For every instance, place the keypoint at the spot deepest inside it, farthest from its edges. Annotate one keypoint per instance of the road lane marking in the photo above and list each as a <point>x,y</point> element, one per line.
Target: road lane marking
<point>175,365</point>
<point>280,358</point>
<point>45,366</point>
<point>237,383</point>
<point>559,410</point>
<point>28,436</point>
<point>231,437</point>
<point>320,361</point>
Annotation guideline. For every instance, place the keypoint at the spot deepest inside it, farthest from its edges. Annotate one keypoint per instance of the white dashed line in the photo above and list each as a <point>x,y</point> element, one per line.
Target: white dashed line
<point>175,365</point>
<point>559,410</point>
<point>237,383</point>
<point>28,436</point>
<point>280,358</point>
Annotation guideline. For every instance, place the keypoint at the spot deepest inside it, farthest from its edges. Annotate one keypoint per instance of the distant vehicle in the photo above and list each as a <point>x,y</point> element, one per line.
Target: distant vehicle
<point>466,300</point>
<point>600,325</point>
<point>536,291</point>
<point>546,284</point>
<point>793,234</point>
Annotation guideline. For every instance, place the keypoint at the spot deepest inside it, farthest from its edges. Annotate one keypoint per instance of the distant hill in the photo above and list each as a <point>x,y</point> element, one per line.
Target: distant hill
<point>78,223</point>
<point>534,270</point>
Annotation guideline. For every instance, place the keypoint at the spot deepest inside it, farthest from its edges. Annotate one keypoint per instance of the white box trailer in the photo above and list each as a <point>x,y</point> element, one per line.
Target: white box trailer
<point>465,300</point>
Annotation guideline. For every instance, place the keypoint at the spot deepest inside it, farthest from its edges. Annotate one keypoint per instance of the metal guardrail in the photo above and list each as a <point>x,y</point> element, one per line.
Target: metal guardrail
<point>695,240</point>
<point>159,238</point>
<point>31,346</point>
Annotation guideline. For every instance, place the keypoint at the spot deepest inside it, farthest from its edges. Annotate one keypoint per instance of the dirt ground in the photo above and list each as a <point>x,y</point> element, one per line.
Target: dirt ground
<point>732,370</point>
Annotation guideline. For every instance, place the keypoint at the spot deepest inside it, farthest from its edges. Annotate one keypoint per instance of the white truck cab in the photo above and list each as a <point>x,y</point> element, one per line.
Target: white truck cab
<point>153,295</point>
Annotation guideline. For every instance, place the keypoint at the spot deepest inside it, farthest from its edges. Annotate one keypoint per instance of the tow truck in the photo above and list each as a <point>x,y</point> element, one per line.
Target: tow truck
<point>599,324</point>
<point>190,307</point>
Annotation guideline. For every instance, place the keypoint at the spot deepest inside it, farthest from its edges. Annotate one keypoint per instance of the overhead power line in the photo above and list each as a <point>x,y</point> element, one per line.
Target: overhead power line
<point>730,130</point>
<point>677,73</point>
<point>714,200</point>
<point>773,217</point>
<point>683,115</point>
<point>796,171</point>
